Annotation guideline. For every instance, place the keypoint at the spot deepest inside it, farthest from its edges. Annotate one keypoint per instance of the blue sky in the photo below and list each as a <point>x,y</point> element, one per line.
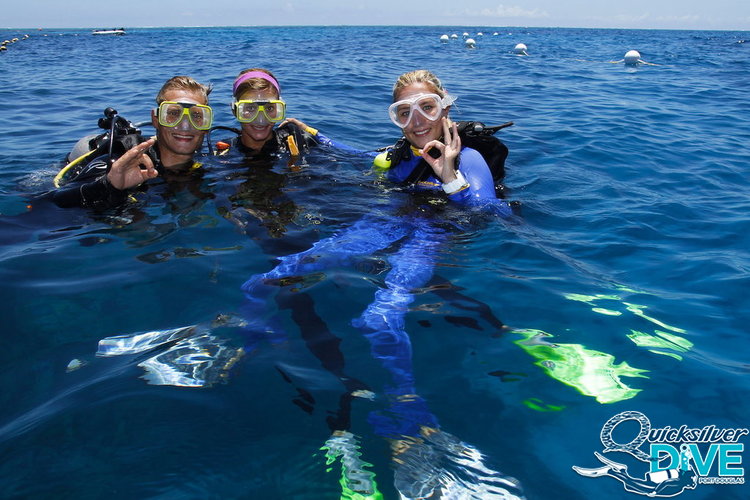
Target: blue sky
<point>670,14</point>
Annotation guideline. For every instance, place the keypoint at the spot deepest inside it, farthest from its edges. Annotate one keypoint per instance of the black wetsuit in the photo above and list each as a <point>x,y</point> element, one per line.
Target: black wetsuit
<point>91,189</point>
<point>275,145</point>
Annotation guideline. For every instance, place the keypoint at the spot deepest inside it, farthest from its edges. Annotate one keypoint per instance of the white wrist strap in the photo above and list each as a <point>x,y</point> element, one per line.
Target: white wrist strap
<point>456,184</point>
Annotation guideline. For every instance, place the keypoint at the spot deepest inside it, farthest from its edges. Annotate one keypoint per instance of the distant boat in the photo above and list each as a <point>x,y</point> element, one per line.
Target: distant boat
<point>113,31</point>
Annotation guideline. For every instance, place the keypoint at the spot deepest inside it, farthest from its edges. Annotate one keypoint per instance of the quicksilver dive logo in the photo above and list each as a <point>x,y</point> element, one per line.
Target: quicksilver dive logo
<point>676,458</point>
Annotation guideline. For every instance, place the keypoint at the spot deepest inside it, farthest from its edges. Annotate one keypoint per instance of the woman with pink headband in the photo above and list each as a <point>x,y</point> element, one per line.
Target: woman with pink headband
<point>258,107</point>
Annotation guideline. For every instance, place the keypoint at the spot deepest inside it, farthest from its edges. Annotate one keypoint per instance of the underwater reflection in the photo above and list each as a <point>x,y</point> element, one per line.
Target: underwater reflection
<point>193,356</point>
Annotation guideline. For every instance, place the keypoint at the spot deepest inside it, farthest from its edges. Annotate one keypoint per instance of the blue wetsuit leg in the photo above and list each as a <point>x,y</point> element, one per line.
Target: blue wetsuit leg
<point>365,237</point>
<point>383,324</point>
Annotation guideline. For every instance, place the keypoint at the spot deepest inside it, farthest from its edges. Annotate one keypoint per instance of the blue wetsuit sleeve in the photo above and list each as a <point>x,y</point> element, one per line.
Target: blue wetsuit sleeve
<point>477,175</point>
<point>480,192</point>
<point>327,141</point>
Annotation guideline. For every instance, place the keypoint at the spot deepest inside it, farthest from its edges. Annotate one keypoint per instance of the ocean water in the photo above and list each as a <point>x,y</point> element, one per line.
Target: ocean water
<point>621,286</point>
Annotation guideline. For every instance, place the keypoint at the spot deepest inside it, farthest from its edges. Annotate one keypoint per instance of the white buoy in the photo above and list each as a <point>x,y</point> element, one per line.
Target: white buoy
<point>495,33</point>
<point>466,35</point>
<point>444,38</point>
<point>632,57</point>
<point>470,43</point>
<point>454,36</point>
<point>520,49</point>
<point>480,34</point>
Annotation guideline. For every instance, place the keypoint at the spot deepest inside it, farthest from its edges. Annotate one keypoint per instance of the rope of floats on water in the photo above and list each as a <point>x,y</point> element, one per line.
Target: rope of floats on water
<point>5,43</point>
<point>631,58</point>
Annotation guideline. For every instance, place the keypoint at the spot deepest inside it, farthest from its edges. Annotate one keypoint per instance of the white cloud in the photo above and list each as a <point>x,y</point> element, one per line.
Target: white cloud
<point>629,18</point>
<point>617,20</point>
<point>689,18</point>
<point>647,19</point>
<point>511,11</point>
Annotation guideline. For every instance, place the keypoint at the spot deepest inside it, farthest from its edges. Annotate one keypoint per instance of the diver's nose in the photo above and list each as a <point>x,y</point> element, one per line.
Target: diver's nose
<point>261,119</point>
<point>184,124</point>
<point>417,119</point>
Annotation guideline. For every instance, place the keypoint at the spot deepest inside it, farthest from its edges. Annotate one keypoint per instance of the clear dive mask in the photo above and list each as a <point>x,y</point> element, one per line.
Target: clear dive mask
<point>430,106</point>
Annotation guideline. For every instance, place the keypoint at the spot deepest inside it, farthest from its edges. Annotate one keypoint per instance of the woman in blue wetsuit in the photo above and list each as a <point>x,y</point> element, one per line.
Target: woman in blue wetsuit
<point>422,454</point>
<point>420,109</point>
<point>430,155</point>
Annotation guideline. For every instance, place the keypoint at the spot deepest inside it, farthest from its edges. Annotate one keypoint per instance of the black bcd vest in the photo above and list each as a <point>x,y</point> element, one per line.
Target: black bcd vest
<point>474,135</point>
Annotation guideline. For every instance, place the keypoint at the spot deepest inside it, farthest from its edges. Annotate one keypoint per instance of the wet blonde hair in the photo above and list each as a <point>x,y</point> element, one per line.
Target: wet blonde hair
<point>256,84</point>
<point>419,76</point>
<point>183,83</point>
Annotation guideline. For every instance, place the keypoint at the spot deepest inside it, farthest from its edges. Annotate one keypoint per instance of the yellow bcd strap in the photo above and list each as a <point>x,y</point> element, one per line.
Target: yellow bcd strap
<point>66,168</point>
<point>292,144</point>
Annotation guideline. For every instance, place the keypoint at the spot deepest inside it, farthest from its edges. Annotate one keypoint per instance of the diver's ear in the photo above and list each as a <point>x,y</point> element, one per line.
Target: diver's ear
<point>154,119</point>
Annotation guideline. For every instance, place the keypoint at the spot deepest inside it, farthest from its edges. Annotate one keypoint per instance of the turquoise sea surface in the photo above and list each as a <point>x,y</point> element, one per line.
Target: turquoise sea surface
<point>621,285</point>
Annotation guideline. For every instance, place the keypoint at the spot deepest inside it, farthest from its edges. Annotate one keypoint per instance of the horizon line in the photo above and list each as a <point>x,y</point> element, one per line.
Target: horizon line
<point>373,26</point>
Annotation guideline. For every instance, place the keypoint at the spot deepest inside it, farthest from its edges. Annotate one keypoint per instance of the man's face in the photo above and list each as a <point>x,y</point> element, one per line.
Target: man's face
<point>182,140</point>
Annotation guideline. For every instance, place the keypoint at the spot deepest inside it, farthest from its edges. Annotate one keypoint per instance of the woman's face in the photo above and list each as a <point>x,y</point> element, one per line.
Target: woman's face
<point>420,130</point>
<point>256,133</point>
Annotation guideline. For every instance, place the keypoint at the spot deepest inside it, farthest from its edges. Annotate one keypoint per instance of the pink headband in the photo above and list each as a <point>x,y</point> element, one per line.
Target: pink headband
<point>255,74</point>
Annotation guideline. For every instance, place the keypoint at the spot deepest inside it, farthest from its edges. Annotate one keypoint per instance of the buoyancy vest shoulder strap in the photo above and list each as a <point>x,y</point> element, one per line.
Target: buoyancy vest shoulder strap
<point>473,134</point>
<point>476,135</point>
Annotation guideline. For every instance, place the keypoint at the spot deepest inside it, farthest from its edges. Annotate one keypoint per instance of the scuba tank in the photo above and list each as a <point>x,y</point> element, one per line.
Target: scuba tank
<point>120,136</point>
